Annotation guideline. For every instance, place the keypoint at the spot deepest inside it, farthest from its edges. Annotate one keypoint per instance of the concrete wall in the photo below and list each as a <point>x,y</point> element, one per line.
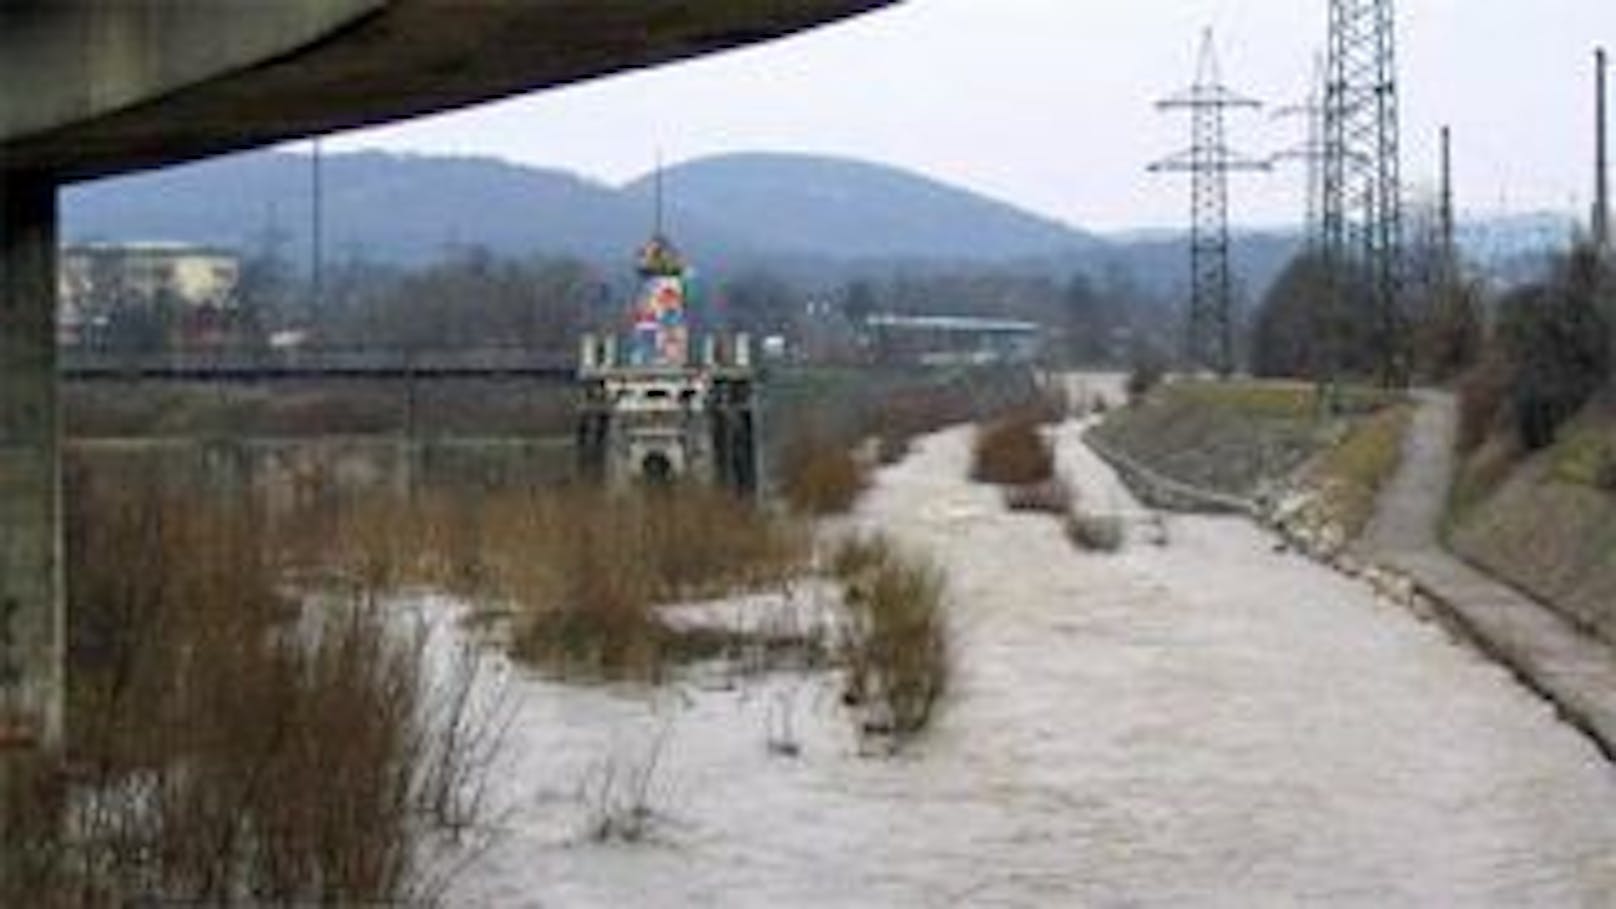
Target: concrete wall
<point>103,56</point>
<point>31,636</point>
<point>97,87</point>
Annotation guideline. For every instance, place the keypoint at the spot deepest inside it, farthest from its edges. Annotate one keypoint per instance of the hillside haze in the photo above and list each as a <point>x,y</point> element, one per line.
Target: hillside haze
<point>412,209</point>
<point>835,208</point>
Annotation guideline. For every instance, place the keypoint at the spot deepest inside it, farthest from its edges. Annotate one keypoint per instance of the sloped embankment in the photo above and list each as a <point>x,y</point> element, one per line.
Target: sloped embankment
<point>1222,437</point>
<point>1549,525</point>
<point>1265,442</point>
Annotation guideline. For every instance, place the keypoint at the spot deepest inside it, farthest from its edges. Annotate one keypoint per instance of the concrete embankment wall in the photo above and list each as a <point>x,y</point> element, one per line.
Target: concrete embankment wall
<point>284,473</point>
<point>1161,491</point>
<point>1555,540</point>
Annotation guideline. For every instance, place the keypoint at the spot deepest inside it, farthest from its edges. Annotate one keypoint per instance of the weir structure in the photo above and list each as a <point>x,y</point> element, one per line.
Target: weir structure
<point>91,89</point>
<point>1209,336</point>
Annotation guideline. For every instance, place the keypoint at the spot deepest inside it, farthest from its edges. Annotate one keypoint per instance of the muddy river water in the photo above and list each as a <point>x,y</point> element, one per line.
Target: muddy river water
<point>1209,722</point>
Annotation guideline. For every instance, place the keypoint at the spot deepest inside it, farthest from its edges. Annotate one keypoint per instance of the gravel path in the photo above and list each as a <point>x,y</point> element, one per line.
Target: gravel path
<point>1574,670</point>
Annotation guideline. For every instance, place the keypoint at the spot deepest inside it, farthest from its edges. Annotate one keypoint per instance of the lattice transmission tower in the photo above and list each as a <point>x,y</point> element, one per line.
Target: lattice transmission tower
<point>1310,152</point>
<point>1363,216</point>
<point>1209,338</point>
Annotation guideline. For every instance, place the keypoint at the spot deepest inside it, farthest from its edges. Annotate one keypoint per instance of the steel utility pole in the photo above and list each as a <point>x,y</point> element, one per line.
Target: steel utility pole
<point>316,229</point>
<point>1450,247</point>
<point>1209,341</point>
<point>1363,213</point>
<point>1601,225</point>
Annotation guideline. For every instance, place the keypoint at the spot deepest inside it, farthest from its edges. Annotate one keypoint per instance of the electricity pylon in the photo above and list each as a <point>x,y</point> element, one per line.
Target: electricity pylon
<point>1209,341</point>
<point>1363,217</point>
<point>1311,152</point>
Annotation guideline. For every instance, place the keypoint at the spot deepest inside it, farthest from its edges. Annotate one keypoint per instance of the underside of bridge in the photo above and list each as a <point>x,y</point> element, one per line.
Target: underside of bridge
<point>92,88</point>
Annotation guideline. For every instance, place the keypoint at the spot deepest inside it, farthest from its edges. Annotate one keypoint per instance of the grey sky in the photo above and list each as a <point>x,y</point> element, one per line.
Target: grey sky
<point>1047,103</point>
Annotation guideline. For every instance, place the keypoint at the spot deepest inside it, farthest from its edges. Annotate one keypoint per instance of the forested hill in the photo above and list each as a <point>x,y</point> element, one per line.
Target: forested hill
<point>835,208</point>
<point>409,209</point>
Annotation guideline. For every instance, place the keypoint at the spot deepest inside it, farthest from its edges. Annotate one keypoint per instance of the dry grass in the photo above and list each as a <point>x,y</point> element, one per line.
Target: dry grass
<point>895,644</point>
<point>819,474</point>
<point>581,572</point>
<point>1234,437</point>
<point>1012,452</point>
<point>1585,455</point>
<point>1279,400</point>
<point>227,742</point>
<point>1351,473</point>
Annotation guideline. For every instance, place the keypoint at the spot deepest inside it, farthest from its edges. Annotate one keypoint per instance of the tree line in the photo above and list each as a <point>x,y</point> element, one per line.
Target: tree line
<point>1526,357</point>
<point>473,298</point>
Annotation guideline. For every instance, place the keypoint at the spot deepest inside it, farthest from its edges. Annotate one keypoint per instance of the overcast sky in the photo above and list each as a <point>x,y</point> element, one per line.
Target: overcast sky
<point>1048,103</point>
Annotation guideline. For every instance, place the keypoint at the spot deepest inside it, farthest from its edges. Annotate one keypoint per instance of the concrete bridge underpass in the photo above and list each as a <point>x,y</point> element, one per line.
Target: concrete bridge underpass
<point>93,88</point>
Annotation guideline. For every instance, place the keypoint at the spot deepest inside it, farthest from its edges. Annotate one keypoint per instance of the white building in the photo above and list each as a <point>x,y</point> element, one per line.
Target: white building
<point>94,279</point>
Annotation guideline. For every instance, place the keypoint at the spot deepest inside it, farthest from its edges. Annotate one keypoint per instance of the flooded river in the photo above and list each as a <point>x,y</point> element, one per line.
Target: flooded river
<point>1207,723</point>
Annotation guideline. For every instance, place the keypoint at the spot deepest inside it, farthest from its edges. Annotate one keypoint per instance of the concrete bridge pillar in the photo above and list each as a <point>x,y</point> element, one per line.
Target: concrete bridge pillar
<point>32,611</point>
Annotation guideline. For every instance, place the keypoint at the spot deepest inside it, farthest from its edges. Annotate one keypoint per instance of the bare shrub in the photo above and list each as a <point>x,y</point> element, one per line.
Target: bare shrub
<point>819,474</point>
<point>621,792</point>
<point>228,743</point>
<point>586,571</point>
<point>1096,532</point>
<point>1012,452</point>
<point>1147,370</point>
<point>1482,394</point>
<point>1557,339</point>
<point>891,447</point>
<point>895,640</point>
<point>579,572</point>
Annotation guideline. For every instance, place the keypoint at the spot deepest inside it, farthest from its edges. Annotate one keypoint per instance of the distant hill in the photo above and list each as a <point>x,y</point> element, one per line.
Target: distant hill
<point>409,209</point>
<point>812,219</point>
<point>392,208</point>
<point>834,208</point>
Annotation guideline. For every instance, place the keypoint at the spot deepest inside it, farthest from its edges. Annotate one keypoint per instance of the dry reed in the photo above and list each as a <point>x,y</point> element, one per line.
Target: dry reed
<point>895,643</point>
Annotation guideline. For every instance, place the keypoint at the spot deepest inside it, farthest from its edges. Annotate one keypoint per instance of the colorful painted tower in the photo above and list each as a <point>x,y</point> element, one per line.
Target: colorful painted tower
<point>652,413</point>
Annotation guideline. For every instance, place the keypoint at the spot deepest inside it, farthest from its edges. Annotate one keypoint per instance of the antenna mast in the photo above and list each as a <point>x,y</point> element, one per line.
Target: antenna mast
<point>660,224</point>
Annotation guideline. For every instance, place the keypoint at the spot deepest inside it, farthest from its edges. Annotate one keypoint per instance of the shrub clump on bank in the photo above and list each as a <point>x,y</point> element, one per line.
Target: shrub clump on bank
<point>820,475</point>
<point>894,645</point>
<point>229,742</point>
<point>578,575</point>
<point>1012,452</point>
<point>613,560</point>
